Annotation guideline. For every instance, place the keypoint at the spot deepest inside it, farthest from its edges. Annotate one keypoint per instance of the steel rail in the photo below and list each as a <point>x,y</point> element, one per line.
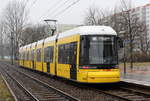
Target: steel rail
<point>101,91</point>
<point>21,86</point>
<point>67,96</point>
<point>125,91</point>
<point>12,93</point>
<point>127,94</point>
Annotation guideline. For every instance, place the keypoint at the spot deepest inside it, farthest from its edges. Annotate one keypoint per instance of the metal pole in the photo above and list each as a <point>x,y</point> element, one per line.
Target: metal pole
<point>124,59</point>
<point>124,51</point>
<point>131,43</point>
<point>12,53</point>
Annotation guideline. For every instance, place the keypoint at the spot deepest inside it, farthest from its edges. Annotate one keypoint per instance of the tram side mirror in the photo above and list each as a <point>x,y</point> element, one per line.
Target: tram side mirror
<point>120,42</point>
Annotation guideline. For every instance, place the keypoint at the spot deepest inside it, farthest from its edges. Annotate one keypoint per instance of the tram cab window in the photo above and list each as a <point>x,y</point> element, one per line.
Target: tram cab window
<point>67,53</point>
<point>98,50</point>
<point>38,54</point>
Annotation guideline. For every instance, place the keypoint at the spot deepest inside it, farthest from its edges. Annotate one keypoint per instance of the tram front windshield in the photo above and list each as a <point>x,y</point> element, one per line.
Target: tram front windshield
<point>96,50</point>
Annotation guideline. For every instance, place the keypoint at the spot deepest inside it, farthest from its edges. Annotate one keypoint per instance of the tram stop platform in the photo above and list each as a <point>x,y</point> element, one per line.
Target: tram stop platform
<point>136,79</point>
<point>139,75</point>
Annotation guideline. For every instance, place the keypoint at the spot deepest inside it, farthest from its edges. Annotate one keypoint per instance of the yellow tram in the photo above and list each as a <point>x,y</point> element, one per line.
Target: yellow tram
<point>87,54</point>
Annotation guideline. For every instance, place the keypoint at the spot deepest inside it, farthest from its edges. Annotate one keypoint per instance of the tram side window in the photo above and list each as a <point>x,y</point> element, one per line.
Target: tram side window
<point>73,52</point>
<point>67,53</point>
<point>51,53</point>
<point>45,54</point>
<point>38,54</point>
<point>20,55</point>
<point>48,54</point>
<point>32,55</point>
<point>27,55</point>
<point>61,54</point>
<point>23,55</point>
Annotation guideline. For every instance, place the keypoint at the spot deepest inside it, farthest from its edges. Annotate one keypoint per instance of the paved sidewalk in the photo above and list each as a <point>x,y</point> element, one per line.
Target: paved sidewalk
<point>137,78</point>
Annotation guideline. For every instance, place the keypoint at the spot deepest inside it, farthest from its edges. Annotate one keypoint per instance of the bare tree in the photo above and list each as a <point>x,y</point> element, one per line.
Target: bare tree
<point>144,40</point>
<point>15,15</point>
<point>2,33</point>
<point>95,16</point>
<point>123,20</point>
<point>33,33</point>
<point>133,27</point>
<point>4,40</point>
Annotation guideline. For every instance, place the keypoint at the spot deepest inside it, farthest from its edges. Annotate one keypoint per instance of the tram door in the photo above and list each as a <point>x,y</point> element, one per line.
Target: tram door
<point>48,58</point>
<point>48,67</point>
<point>33,61</point>
<point>23,62</point>
<point>73,72</point>
<point>73,55</point>
<point>33,66</point>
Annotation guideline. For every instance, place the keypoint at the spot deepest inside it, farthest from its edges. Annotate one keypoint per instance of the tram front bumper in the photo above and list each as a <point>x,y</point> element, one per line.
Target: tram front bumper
<point>103,77</point>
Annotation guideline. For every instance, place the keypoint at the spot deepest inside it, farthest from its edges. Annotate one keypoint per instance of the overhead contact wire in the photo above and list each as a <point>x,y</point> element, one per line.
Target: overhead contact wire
<point>51,8</point>
<point>62,11</point>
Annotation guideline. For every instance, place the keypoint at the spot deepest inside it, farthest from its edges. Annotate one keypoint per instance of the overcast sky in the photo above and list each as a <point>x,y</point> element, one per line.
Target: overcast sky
<point>44,9</point>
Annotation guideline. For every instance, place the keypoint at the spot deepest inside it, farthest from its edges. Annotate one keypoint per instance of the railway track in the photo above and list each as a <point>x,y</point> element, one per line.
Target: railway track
<point>26,96</point>
<point>126,94</point>
<point>35,89</point>
<point>117,92</point>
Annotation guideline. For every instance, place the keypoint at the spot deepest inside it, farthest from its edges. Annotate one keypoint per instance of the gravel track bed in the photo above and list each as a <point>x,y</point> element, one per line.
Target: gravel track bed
<point>19,93</point>
<point>82,92</point>
<point>136,87</point>
<point>41,92</point>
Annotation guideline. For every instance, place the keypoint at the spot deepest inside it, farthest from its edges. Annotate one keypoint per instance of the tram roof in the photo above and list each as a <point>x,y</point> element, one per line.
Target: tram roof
<point>40,41</point>
<point>89,30</point>
<point>83,30</point>
<point>24,47</point>
<point>20,49</point>
<point>49,39</point>
<point>28,46</point>
<point>33,44</point>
